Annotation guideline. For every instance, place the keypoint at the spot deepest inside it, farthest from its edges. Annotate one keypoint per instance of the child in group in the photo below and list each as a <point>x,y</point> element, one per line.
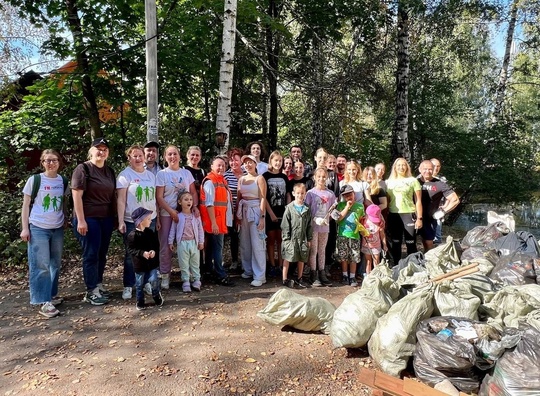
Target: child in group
<point>189,236</point>
<point>143,243</point>
<point>348,240</point>
<point>297,233</point>
<point>320,200</point>
<point>375,242</point>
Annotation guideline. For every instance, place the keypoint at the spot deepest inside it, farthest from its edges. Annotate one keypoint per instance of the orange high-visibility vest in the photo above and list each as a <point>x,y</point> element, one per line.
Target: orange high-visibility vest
<point>221,201</point>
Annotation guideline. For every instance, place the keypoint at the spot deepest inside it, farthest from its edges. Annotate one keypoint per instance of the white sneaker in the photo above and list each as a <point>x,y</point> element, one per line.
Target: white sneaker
<point>127,293</point>
<point>48,310</point>
<point>165,281</point>
<point>258,283</point>
<point>246,276</point>
<point>148,289</point>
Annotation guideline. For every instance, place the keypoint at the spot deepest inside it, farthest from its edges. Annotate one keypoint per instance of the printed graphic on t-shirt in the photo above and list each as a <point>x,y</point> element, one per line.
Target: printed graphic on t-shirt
<point>53,204</point>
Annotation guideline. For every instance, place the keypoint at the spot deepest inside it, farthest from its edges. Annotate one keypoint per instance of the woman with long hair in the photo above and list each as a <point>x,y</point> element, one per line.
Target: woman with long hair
<point>256,149</point>
<point>405,216</point>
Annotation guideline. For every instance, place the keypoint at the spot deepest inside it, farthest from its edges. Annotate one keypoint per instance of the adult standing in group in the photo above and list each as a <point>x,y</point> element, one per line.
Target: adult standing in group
<point>217,215</point>
<point>232,175</point>
<point>353,177</point>
<point>194,156</point>
<point>380,170</point>
<point>135,188</point>
<point>42,220</point>
<point>93,185</point>
<point>296,155</point>
<point>288,167</point>
<point>151,153</point>
<point>341,164</point>
<point>436,173</point>
<point>377,188</point>
<point>170,182</point>
<point>251,212</point>
<point>405,215</point>
<point>256,149</point>
<point>434,193</point>
<point>278,196</point>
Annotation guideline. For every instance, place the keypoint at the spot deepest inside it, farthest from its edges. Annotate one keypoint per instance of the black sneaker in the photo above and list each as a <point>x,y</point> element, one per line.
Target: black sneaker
<point>301,284</point>
<point>140,306</point>
<point>226,282</point>
<point>345,280</point>
<point>158,300</point>
<point>288,283</point>
<point>95,298</point>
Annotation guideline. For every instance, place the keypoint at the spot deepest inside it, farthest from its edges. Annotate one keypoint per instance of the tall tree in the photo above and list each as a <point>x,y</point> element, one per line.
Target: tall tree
<point>223,119</point>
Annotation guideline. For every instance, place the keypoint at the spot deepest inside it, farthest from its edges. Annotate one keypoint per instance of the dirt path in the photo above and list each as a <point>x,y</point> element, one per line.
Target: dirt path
<point>206,343</point>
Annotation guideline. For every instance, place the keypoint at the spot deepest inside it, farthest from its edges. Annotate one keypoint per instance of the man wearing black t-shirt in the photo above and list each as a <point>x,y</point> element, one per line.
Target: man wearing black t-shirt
<point>433,192</point>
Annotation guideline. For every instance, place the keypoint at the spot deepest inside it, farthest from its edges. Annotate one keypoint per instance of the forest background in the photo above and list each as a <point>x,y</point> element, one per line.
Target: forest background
<point>370,79</point>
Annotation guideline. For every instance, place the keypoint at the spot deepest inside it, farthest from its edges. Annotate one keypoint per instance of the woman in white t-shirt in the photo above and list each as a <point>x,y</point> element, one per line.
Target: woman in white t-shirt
<point>170,182</point>
<point>353,177</point>
<point>43,228</point>
<point>136,188</point>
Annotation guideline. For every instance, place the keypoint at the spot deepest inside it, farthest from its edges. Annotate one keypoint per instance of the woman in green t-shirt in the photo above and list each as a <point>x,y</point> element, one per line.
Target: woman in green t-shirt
<point>405,217</point>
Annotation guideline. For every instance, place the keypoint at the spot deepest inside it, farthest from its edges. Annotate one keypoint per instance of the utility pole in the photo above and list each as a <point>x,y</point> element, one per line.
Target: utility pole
<point>151,71</point>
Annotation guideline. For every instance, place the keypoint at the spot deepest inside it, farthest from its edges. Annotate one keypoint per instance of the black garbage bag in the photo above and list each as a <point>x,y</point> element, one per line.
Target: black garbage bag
<point>482,236</point>
<point>517,372</point>
<point>448,348</point>
<point>517,269</point>
<point>520,241</point>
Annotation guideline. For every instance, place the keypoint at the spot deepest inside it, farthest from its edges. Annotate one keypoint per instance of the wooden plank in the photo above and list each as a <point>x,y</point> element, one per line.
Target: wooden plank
<point>367,377</point>
<point>389,384</point>
<point>420,389</point>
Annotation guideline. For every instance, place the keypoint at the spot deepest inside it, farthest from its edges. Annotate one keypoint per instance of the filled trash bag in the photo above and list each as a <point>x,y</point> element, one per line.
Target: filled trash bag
<point>481,285</point>
<point>394,339</point>
<point>411,271</point>
<point>459,350</point>
<point>287,308</point>
<point>517,269</point>
<point>506,218</point>
<point>443,258</point>
<point>355,319</point>
<point>482,236</point>
<point>521,241</point>
<point>517,372</point>
<point>456,299</point>
<point>511,304</point>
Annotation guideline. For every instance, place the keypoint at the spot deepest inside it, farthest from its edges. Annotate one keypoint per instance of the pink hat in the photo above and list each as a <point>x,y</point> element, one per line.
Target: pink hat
<point>374,213</point>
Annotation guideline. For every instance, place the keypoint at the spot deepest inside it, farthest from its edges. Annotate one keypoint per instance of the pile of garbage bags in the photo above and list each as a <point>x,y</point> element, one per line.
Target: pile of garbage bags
<point>467,313</point>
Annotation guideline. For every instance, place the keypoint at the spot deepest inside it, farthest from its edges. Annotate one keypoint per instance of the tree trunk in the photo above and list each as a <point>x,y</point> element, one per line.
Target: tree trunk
<point>503,79</point>
<point>317,110</point>
<point>89,98</point>
<point>272,49</point>
<point>400,137</point>
<point>226,70</point>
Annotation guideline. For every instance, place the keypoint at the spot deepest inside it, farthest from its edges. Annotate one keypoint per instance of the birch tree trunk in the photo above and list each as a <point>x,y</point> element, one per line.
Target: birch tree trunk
<point>226,70</point>
<point>89,98</point>
<point>400,134</point>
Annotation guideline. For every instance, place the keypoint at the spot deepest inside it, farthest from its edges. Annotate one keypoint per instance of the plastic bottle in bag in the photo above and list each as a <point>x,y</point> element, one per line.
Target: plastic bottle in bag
<point>444,334</point>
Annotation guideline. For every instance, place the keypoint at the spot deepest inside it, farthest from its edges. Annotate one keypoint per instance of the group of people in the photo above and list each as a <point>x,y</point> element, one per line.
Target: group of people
<point>275,213</point>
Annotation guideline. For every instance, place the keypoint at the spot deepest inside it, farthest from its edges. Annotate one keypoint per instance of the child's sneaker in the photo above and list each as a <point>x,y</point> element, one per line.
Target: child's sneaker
<point>288,283</point>
<point>127,293</point>
<point>140,306</point>
<point>186,287</point>
<point>148,289</point>
<point>196,286</point>
<point>94,297</point>
<point>158,299</point>
<point>48,310</point>
<point>345,280</point>
<point>353,282</point>
<point>165,281</point>
<point>104,292</point>
<point>301,284</point>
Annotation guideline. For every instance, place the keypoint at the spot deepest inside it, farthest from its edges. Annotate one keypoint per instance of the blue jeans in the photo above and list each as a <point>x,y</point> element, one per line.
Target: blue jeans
<point>44,260</point>
<point>129,272</point>
<point>214,254</point>
<point>95,245</point>
<point>142,278</point>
